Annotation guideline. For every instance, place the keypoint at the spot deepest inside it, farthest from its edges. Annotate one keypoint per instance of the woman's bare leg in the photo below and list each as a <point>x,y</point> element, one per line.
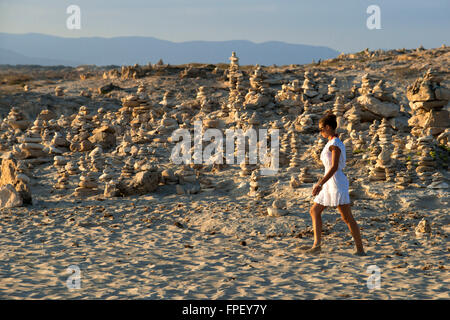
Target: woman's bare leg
<point>316,212</point>
<point>347,216</point>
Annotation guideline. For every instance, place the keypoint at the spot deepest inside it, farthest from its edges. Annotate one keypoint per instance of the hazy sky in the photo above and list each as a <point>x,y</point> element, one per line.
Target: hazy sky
<point>339,24</point>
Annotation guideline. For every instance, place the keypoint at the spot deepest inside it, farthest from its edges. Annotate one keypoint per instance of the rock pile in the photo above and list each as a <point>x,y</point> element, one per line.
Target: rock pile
<point>427,98</point>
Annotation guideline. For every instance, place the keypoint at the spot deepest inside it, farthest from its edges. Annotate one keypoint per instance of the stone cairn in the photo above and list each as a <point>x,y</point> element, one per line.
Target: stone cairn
<point>290,96</point>
<point>302,178</point>
<point>295,145</point>
<point>338,110</point>
<point>426,164</point>
<point>254,184</point>
<point>304,123</point>
<point>309,86</point>
<point>427,98</point>
<point>236,94</point>
<point>258,94</point>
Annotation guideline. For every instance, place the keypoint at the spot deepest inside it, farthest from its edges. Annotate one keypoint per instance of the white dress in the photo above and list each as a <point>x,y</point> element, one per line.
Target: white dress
<point>335,191</point>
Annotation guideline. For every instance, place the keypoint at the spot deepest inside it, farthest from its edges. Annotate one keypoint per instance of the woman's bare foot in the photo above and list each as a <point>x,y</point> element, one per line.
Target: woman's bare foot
<point>314,250</point>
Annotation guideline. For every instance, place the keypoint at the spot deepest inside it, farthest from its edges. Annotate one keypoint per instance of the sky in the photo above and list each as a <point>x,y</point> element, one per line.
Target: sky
<point>338,24</point>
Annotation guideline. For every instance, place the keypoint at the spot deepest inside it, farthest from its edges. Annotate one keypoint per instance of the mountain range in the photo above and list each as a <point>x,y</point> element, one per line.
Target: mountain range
<point>41,49</point>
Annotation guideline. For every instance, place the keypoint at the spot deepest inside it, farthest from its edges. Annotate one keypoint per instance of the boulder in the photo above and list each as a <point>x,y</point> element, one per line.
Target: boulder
<point>104,136</point>
<point>9,197</point>
<point>383,109</point>
<point>142,183</point>
<point>9,176</point>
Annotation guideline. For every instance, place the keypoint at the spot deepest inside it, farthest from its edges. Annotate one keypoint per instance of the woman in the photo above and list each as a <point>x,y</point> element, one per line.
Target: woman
<point>332,189</point>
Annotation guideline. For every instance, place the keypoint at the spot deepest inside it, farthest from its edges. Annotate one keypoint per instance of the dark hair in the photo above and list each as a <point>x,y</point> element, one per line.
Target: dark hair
<point>329,119</point>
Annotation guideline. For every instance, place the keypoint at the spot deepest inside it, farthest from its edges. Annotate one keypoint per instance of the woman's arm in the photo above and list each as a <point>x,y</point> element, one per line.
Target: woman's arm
<point>335,154</point>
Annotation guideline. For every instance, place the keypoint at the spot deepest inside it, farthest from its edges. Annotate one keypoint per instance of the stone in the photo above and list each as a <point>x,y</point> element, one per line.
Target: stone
<point>104,136</point>
<point>9,197</point>
<point>277,209</point>
<point>423,228</point>
<point>383,109</point>
<point>143,182</point>
<point>11,174</point>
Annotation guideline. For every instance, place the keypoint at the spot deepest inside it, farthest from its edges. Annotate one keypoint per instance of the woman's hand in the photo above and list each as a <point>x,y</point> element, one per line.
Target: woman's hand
<point>316,189</point>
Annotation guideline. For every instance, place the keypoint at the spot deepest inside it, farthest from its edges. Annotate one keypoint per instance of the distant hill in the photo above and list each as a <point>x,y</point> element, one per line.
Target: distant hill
<point>14,58</point>
<point>50,50</point>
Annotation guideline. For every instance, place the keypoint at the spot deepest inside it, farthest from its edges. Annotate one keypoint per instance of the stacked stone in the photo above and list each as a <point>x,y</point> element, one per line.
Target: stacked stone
<point>348,143</point>
<point>309,86</point>
<point>317,150</point>
<point>254,184</point>
<point>444,138</point>
<point>438,181</point>
<point>169,99</point>
<point>127,169</point>
<point>87,186</point>
<point>59,91</point>
<point>140,115</point>
<point>63,180</point>
<point>353,119</point>
<point>83,163</point>
<point>108,173</point>
<point>305,122</point>
<point>257,78</point>
<point>72,168</point>
<point>59,162</point>
<point>141,88</point>
<point>338,110</point>
<point>383,93</point>
<point>285,147</point>
<point>246,167</point>
<point>385,140</point>
<point>427,99</point>
<point>402,180</point>
<point>304,176</point>
<point>373,133</point>
<point>426,164</point>
<point>378,171</point>
<point>234,74</point>
<point>332,87</point>
<point>290,95</point>
<point>398,149</point>
<point>30,143</point>
<point>206,104</point>
<point>277,209</point>
<point>258,95</point>
<point>365,85</point>
<point>97,159</point>
<point>357,140</point>
<point>16,119</point>
<point>295,162</point>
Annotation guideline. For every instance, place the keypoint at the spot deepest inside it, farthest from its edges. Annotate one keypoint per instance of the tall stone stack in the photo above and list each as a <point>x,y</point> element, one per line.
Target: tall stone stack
<point>234,74</point>
<point>304,123</point>
<point>365,85</point>
<point>427,99</point>
<point>295,161</point>
<point>338,110</point>
<point>16,119</point>
<point>332,87</point>
<point>385,136</point>
<point>258,95</point>
<point>426,164</point>
<point>309,86</point>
